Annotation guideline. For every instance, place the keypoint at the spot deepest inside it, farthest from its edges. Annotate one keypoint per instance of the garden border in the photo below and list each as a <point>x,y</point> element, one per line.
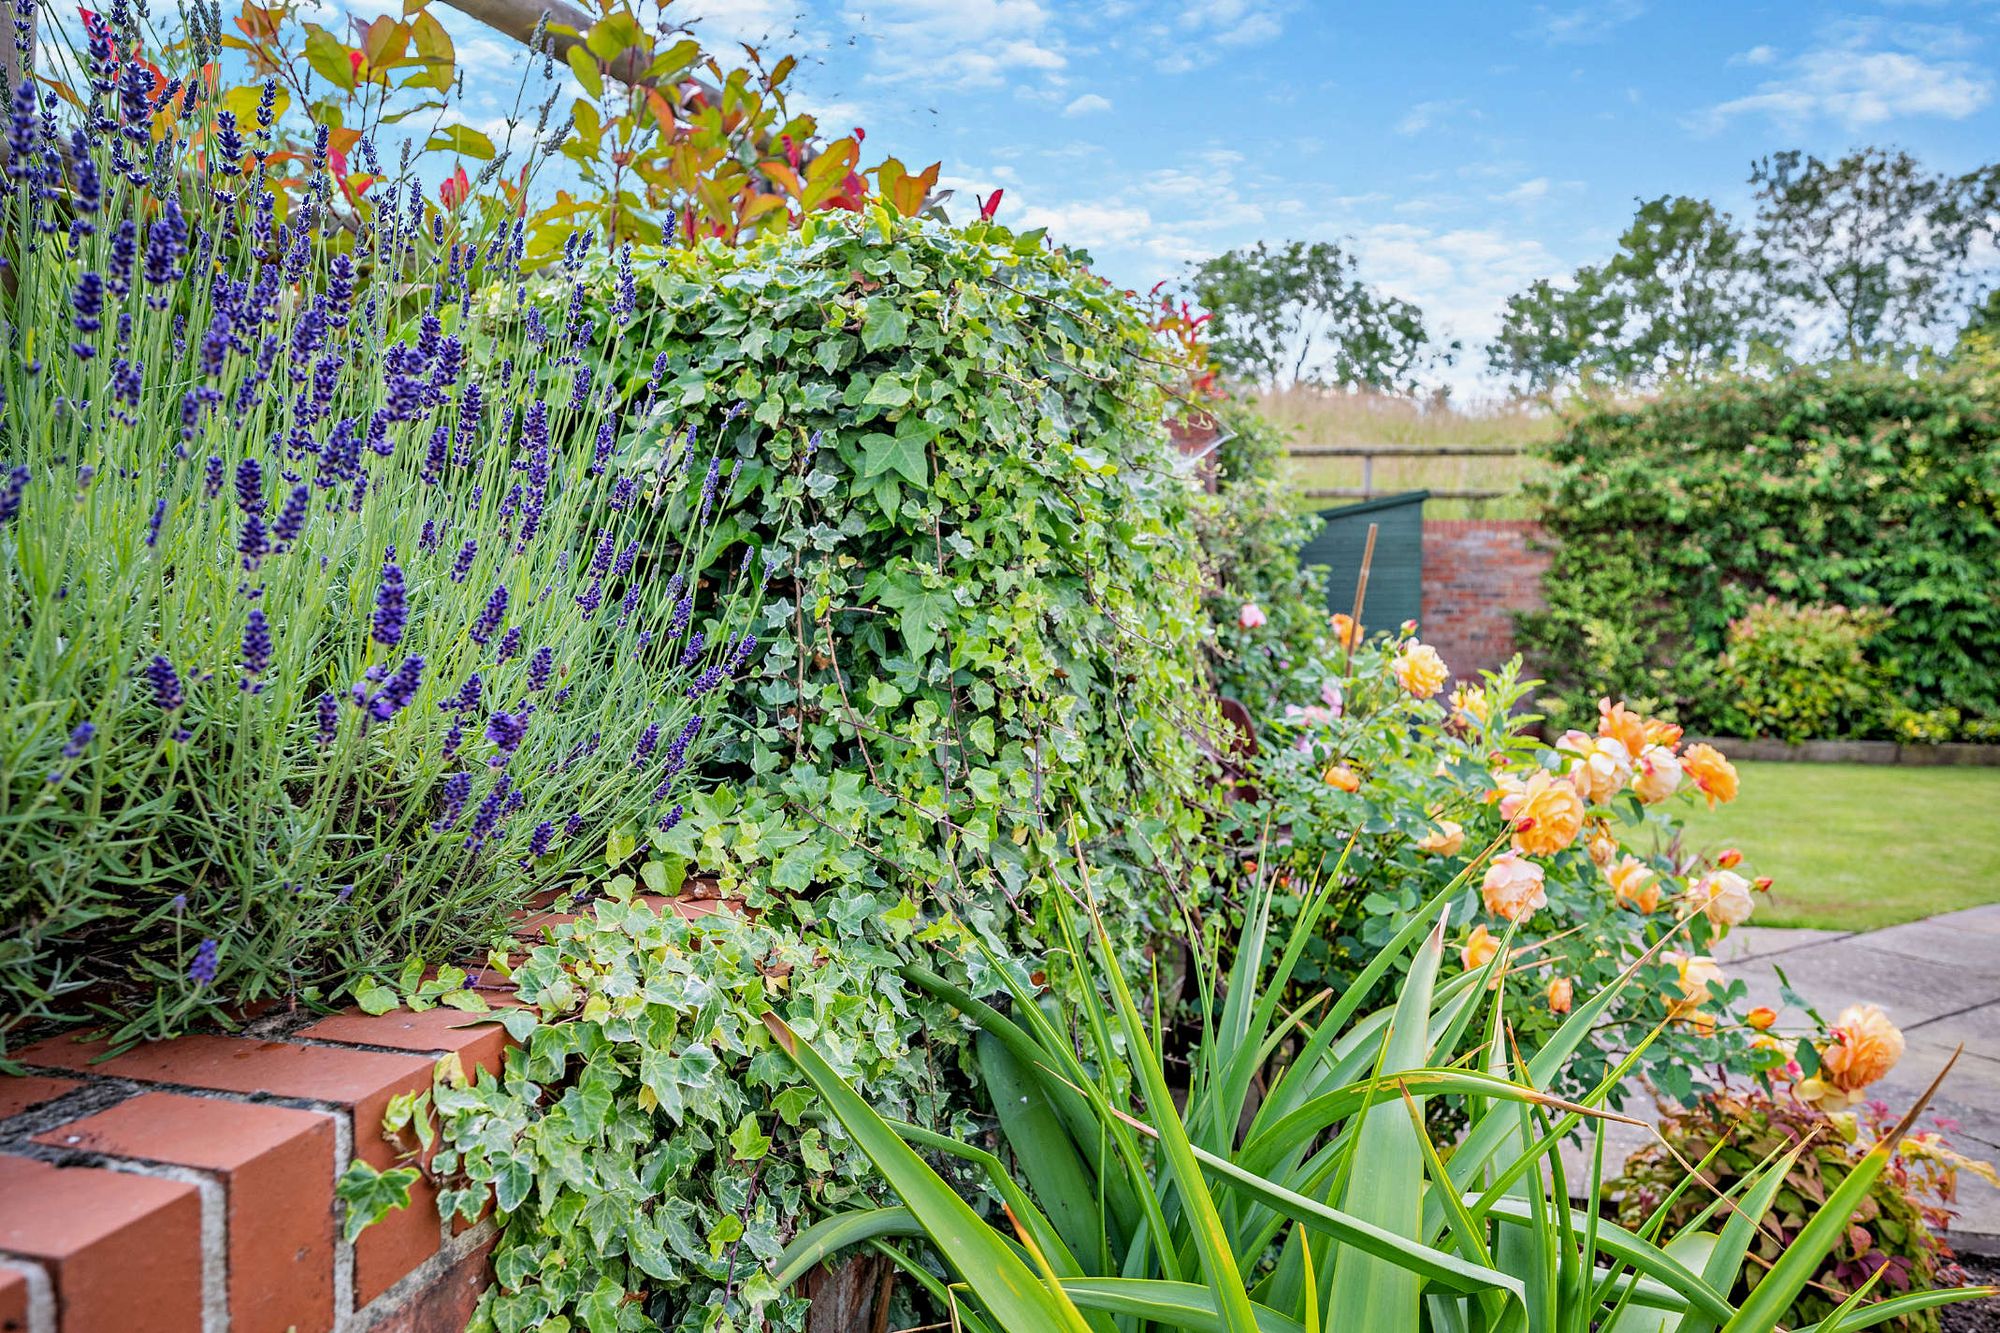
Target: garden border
<point>1945,754</point>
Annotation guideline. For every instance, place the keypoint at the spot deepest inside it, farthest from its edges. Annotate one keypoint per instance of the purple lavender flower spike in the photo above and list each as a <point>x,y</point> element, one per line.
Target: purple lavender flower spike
<point>648,739</point>
<point>510,646</point>
<point>456,789</point>
<point>506,731</point>
<point>326,711</point>
<point>166,682</point>
<point>397,692</point>
<point>489,620</point>
<point>540,668</point>
<point>256,652</point>
<point>206,964</point>
<point>250,486</point>
<point>461,568</point>
<point>11,493</point>
<point>392,611</point>
<point>79,740</point>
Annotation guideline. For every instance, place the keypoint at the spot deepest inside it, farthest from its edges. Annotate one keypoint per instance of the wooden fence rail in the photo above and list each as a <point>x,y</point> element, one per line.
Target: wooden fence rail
<point>1368,453</point>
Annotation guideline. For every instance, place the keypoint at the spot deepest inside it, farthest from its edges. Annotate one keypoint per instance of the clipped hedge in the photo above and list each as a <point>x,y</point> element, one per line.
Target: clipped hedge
<point>981,640</point>
<point>1858,487</point>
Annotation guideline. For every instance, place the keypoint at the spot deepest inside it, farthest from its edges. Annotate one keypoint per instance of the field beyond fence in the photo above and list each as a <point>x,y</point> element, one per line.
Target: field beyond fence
<point>1346,447</point>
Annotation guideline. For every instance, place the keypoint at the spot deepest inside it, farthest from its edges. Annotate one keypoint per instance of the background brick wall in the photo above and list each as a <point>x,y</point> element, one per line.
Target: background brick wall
<point>1477,574</point>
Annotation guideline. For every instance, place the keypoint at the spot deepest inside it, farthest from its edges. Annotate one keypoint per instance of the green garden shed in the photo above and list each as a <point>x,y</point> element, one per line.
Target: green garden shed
<point>1395,575</point>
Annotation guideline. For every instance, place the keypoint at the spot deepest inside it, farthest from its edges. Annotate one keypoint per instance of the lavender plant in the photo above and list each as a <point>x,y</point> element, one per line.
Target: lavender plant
<point>334,623</point>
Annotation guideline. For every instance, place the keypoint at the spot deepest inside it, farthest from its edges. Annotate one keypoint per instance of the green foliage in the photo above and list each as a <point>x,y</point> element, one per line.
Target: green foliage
<point>1250,539</point>
<point>1853,486</point>
<point>1680,300</point>
<point>240,592</point>
<point>1320,1199</point>
<point>1798,672</point>
<point>644,1135</point>
<point>1300,314</point>
<point>1735,1135</point>
<point>981,612</point>
<point>368,1195</point>
<point>983,629</point>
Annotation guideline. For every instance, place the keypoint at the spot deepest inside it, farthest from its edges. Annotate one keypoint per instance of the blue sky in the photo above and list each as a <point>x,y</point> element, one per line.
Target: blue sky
<point>1462,149</point>
<point>1465,149</point>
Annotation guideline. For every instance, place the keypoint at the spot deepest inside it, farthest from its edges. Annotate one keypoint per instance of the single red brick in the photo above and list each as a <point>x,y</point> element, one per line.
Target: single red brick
<point>445,1305</point>
<point>362,1082</point>
<point>13,1300</point>
<point>122,1251</point>
<point>27,1091</point>
<point>476,1038</point>
<point>276,1166</point>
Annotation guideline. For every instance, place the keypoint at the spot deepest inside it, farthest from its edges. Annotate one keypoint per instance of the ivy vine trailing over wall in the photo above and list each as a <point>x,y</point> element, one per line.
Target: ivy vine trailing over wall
<point>1864,488</point>
<point>980,648</point>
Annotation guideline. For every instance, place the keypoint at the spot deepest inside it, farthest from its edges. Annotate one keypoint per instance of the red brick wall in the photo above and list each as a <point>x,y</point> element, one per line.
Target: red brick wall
<point>1477,573</point>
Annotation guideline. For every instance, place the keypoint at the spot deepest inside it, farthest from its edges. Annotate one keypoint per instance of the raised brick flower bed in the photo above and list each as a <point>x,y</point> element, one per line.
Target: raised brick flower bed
<point>188,1185</point>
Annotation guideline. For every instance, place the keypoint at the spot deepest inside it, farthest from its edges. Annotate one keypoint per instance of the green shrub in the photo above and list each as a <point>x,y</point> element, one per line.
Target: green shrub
<point>1860,487</point>
<point>1799,672</point>
<point>1250,539</point>
<point>1890,1229</point>
<point>982,607</point>
<point>310,661</point>
<point>982,638</point>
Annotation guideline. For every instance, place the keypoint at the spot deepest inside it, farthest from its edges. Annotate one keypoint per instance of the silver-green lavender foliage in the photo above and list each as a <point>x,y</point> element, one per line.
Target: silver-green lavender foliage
<point>334,625</point>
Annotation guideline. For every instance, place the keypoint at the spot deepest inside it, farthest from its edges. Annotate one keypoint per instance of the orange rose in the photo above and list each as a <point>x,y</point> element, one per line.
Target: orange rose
<point>1621,724</point>
<point>1712,773</point>
<point>1657,774</point>
<point>1603,844</point>
<point>1346,631</point>
<point>1695,972</point>
<point>1724,897</point>
<point>1341,776</point>
<point>1512,888</point>
<point>1479,949</point>
<point>1662,733</point>
<point>1444,840</point>
<point>1419,669</point>
<point>1561,995</point>
<point>1762,1018</point>
<point>1599,766</point>
<point>1634,884</point>
<point>1546,813</point>
<point>1470,705</point>
<point>1728,859</point>
<point>1861,1047</point>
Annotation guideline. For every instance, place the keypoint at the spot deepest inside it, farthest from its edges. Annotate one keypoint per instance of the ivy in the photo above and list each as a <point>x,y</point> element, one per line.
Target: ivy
<point>980,653</point>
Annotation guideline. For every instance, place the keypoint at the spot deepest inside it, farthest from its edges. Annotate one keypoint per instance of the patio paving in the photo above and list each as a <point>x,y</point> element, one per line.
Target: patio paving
<point>1937,979</point>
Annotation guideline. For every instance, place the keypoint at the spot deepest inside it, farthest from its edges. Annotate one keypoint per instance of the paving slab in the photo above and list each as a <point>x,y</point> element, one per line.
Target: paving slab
<point>1762,941</point>
<point>1939,981</point>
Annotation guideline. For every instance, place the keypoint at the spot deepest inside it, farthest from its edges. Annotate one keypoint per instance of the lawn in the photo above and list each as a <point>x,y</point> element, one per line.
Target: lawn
<point>1859,846</point>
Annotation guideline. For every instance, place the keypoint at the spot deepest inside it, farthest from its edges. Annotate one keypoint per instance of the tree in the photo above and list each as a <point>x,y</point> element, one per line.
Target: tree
<point>1680,300</point>
<point>1300,314</point>
<point>1873,250</point>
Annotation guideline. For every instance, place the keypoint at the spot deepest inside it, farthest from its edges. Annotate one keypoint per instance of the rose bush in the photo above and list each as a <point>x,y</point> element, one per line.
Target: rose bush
<point>1584,872</point>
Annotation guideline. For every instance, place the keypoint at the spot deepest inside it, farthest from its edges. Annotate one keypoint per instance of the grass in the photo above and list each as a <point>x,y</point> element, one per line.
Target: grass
<point>1860,846</point>
<point>1398,423</point>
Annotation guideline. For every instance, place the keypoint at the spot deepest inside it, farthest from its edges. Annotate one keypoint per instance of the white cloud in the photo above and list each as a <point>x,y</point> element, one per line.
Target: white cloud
<point>1585,23</point>
<point>1756,55</point>
<point>1427,115</point>
<point>1527,192</point>
<point>1188,39</point>
<point>961,43</point>
<point>1087,104</point>
<point>1858,89</point>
